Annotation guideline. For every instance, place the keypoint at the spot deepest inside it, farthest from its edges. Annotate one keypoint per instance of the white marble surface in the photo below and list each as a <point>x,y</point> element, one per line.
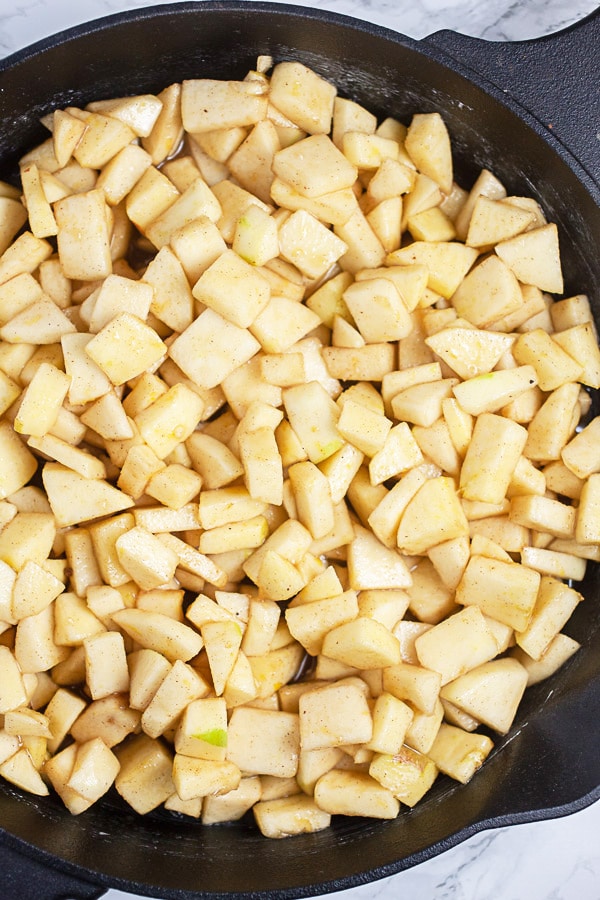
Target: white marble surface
<point>24,21</point>
<point>552,860</point>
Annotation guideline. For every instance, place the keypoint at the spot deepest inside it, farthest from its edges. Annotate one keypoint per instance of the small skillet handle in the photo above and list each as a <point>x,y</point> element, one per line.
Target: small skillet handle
<point>556,78</point>
<point>26,878</point>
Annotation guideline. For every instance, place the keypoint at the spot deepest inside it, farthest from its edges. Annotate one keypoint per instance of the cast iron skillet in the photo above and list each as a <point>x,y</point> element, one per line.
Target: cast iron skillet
<point>529,112</point>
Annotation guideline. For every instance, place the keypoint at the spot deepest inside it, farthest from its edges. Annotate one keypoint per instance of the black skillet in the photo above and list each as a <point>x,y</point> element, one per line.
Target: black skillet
<point>530,112</point>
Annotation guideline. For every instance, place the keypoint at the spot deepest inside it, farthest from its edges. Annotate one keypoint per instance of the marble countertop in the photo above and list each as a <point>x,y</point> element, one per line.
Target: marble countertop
<point>24,21</point>
<point>557,859</point>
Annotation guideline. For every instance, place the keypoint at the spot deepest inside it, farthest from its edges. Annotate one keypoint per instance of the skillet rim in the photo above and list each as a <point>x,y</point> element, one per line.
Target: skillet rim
<point>439,56</point>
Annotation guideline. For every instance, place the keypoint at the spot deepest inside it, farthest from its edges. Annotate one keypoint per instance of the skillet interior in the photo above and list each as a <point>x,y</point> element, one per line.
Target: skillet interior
<point>549,764</point>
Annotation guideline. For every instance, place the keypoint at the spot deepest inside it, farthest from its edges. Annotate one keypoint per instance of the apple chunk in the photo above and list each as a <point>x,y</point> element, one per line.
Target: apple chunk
<point>75,499</point>
<point>490,693</point>
<point>432,516</point>
<point>83,236</point>
<point>428,144</point>
<point>230,347</point>
<point>125,348</point>
<point>534,257</point>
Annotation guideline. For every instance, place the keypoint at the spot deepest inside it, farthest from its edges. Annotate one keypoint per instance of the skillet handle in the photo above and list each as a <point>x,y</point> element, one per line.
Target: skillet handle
<point>556,78</point>
<point>27,878</point>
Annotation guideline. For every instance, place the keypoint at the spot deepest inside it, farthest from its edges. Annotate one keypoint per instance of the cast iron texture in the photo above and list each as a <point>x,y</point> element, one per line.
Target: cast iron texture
<point>556,78</point>
<point>548,765</point>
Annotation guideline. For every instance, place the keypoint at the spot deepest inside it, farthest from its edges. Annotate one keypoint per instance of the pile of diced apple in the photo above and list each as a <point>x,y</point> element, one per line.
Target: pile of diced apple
<point>297,459</point>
